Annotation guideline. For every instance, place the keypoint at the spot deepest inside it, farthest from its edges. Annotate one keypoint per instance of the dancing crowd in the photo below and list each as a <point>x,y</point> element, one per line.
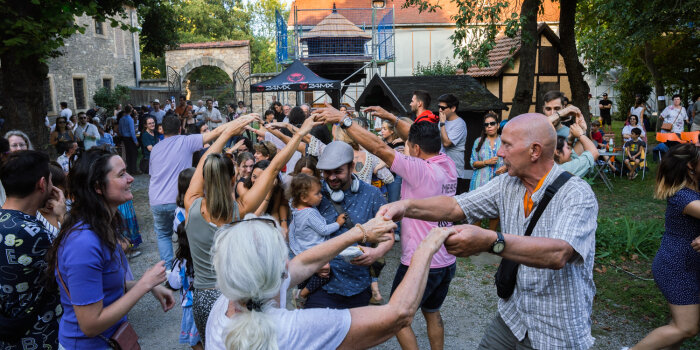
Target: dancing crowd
<point>246,207</point>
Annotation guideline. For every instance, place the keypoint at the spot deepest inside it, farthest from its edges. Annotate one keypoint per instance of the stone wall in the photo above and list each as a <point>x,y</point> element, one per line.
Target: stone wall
<point>93,57</point>
<point>190,56</point>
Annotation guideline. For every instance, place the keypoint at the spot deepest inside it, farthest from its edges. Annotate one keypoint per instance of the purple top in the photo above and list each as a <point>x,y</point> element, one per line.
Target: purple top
<point>91,273</point>
<point>168,158</point>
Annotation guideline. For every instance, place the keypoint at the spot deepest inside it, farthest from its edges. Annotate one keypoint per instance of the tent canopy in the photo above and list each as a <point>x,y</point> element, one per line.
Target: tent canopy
<point>297,77</point>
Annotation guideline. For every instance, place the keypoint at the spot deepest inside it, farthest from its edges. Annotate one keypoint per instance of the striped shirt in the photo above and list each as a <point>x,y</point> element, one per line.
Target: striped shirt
<point>552,307</point>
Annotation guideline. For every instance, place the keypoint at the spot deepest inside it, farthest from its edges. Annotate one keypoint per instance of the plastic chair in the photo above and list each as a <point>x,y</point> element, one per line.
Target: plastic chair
<point>690,136</point>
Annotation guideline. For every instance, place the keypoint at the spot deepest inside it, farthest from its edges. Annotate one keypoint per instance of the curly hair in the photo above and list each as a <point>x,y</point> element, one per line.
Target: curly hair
<point>300,186</point>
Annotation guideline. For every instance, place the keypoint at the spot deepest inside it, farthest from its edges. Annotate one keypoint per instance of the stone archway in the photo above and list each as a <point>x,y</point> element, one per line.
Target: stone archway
<point>227,55</point>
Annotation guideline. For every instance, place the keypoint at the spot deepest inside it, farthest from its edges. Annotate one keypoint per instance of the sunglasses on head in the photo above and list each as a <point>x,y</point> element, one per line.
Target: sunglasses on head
<point>265,220</point>
<point>487,124</point>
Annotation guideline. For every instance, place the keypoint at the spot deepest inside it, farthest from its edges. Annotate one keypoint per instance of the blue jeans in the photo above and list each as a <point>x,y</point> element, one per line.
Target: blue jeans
<point>394,194</point>
<point>163,217</point>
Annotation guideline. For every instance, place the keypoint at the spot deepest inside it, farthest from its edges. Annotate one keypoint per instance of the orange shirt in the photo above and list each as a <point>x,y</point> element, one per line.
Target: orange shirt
<point>527,200</point>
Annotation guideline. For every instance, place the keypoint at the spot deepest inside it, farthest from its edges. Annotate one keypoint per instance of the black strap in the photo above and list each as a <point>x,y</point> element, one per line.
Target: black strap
<point>548,194</point>
<point>339,208</point>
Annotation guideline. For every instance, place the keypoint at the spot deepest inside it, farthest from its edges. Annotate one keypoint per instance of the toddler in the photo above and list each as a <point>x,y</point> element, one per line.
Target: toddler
<point>181,277</point>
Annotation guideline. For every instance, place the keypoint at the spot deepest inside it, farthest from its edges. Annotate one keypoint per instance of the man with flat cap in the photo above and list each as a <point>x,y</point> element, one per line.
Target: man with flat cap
<point>343,192</point>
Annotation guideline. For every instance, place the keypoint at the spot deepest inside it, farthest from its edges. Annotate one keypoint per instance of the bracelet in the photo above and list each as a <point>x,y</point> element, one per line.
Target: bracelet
<point>364,233</point>
<point>396,122</point>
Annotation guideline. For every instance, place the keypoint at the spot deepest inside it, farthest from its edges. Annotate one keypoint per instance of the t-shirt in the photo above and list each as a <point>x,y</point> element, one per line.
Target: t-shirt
<point>675,116</point>
<point>634,146</point>
<point>24,243</point>
<point>579,165</point>
<point>168,158</point>
<point>457,133</point>
<point>91,273</point>
<point>597,136</point>
<point>158,115</point>
<point>148,140</point>
<point>93,134</point>
<point>627,130</point>
<point>66,112</point>
<point>426,116</point>
<point>306,329</point>
<point>292,161</point>
<point>563,131</point>
<point>605,112</point>
<point>435,176</point>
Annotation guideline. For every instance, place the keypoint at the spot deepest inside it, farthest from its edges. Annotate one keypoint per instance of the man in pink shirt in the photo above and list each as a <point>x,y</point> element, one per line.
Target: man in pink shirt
<point>426,173</point>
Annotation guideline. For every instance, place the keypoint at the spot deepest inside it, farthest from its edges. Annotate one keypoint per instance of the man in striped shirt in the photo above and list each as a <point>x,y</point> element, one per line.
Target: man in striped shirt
<point>552,302</point>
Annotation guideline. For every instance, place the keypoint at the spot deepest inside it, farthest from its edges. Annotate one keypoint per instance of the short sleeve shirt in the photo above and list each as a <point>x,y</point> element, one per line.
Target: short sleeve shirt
<point>634,146</point>
<point>435,176</point>
<point>605,112</point>
<point>24,243</point>
<point>361,206</point>
<point>168,158</point>
<point>675,116</point>
<point>92,273</point>
<point>457,133</point>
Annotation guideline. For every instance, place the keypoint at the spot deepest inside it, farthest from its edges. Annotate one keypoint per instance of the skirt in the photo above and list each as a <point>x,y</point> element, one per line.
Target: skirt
<point>131,225</point>
<point>202,302</point>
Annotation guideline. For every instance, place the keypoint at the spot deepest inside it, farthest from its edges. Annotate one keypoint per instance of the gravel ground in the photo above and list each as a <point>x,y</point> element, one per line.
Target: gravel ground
<point>468,309</point>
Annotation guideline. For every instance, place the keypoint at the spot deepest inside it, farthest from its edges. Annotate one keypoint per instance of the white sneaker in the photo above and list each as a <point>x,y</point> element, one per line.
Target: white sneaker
<point>133,254</point>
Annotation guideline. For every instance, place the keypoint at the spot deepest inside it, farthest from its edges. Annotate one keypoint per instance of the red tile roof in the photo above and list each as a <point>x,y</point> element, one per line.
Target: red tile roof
<point>501,52</point>
<point>409,15</point>
<point>213,44</point>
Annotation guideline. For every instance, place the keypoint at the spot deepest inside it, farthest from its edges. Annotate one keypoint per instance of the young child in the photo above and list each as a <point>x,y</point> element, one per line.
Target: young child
<point>181,278</point>
<point>183,182</point>
<point>308,227</point>
<point>633,153</point>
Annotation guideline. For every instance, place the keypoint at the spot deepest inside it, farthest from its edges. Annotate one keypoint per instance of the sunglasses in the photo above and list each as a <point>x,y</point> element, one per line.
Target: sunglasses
<point>486,125</point>
<point>442,107</point>
<point>265,220</point>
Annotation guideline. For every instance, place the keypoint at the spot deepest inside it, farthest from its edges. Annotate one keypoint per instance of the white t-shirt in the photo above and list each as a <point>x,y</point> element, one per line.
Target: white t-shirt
<point>296,329</point>
<point>66,112</point>
<point>675,116</point>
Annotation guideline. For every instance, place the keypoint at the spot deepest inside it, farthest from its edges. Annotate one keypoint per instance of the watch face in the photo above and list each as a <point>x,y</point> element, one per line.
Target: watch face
<point>347,122</point>
<point>498,247</point>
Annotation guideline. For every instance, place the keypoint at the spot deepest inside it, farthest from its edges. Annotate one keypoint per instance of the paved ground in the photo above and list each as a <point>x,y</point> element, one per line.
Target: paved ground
<point>467,311</point>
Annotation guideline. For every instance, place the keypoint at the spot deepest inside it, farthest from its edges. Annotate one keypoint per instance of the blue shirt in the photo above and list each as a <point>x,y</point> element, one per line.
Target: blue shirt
<point>91,273</point>
<point>348,279</point>
<point>106,139</point>
<point>126,127</point>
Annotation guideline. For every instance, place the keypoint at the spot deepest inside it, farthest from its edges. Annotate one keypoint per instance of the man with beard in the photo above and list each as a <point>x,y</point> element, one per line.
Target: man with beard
<point>349,284</point>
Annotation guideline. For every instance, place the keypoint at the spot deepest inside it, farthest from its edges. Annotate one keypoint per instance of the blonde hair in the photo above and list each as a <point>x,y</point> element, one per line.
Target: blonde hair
<point>217,187</point>
<point>22,135</point>
<point>341,135</point>
<point>250,262</point>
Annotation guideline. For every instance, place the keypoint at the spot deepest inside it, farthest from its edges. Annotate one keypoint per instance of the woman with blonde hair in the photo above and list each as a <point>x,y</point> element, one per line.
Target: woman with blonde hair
<point>19,141</point>
<point>251,313</point>
<point>210,205</point>
<point>676,265</point>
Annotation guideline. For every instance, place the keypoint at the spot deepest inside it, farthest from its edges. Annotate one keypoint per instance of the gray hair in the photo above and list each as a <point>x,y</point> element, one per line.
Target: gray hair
<point>250,260</point>
<point>20,134</point>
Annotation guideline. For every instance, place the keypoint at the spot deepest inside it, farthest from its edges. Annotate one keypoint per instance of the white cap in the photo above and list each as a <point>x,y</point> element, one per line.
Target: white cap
<point>156,101</point>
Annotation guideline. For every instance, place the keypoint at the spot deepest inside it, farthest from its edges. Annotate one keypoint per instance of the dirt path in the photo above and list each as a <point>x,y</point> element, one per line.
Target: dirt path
<point>468,309</point>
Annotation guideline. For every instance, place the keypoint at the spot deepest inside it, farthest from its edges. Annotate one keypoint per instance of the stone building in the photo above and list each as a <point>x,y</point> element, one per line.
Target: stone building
<point>101,57</point>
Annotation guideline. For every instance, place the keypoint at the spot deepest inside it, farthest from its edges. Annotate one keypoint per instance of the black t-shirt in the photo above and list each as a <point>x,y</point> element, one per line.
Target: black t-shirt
<point>605,112</point>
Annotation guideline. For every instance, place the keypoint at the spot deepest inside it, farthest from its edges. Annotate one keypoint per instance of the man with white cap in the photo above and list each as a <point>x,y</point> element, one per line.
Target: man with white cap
<point>343,192</point>
<point>157,112</point>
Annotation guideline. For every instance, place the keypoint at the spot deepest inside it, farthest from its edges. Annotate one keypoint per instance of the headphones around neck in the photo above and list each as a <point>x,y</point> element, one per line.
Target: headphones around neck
<point>339,195</point>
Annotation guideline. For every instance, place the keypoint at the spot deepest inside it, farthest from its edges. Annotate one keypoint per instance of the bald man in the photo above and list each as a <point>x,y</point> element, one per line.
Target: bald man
<point>552,302</point>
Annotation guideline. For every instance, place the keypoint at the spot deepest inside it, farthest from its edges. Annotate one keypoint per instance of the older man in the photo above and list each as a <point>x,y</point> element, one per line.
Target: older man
<point>553,297</point>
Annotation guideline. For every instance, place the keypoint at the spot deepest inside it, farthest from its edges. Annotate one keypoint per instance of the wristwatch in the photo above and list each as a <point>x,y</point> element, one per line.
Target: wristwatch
<point>499,245</point>
<point>346,123</point>
<point>441,124</point>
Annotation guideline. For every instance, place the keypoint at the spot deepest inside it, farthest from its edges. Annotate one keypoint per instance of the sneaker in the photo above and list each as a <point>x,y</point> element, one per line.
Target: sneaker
<point>397,237</point>
<point>133,254</point>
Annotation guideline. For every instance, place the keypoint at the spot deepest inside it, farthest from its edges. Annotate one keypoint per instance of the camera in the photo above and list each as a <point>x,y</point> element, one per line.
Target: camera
<point>567,120</point>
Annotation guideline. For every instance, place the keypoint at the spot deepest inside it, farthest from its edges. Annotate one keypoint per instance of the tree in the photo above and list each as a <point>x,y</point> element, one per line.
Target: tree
<point>574,68</point>
<point>31,33</point>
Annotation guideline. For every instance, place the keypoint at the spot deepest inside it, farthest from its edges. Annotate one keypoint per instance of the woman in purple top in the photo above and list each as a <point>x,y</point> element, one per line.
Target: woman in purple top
<point>91,266</point>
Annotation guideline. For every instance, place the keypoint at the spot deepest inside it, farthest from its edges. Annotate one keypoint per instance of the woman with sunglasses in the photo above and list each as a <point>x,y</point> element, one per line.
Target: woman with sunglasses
<point>61,134</point>
<point>208,211</point>
<point>484,160</point>
<point>251,313</point>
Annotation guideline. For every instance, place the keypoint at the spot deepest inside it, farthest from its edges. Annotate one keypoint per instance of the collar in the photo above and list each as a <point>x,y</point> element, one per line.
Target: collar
<point>545,182</point>
<point>428,116</point>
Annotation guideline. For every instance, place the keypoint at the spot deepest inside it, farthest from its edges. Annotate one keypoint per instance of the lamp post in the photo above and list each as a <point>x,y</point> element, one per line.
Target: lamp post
<point>376,4</point>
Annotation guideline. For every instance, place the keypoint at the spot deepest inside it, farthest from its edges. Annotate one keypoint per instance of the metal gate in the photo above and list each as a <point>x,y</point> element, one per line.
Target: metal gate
<point>174,83</point>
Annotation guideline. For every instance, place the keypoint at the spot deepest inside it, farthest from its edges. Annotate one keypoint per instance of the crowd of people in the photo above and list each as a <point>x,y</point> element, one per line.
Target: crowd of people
<point>312,200</point>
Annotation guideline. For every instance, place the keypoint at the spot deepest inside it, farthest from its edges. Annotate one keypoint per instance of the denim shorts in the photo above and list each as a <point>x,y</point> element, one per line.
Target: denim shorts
<point>435,290</point>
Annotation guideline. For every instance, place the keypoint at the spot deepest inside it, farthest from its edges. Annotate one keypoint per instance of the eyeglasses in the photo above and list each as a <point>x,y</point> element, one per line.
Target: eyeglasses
<point>18,145</point>
<point>442,107</point>
<point>486,125</point>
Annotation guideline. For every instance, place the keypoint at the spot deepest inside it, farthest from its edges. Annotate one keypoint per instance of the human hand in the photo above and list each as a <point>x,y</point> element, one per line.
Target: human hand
<point>309,124</point>
<point>469,240</point>
<point>277,125</point>
<point>328,115</point>
<point>57,203</point>
<point>153,276</point>
<point>379,229</point>
<point>394,211</point>
<point>570,110</point>
<point>164,296</point>
<point>436,238</point>
<point>575,130</point>
<point>325,271</point>
<point>341,219</point>
<point>696,244</point>
<point>442,115</point>
<point>368,258</point>
<point>237,126</point>
<point>379,112</point>
<point>491,161</point>
<point>581,122</point>
<point>502,170</point>
<point>237,145</point>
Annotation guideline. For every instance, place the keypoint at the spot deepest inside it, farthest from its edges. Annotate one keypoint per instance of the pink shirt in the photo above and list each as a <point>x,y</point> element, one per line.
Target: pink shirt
<point>436,176</point>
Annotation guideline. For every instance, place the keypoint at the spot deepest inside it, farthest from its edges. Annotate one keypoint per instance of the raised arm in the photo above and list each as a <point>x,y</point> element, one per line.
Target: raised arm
<point>579,131</point>
<point>402,128</point>
<point>441,208</point>
<point>364,137</point>
<point>444,138</point>
<point>372,325</point>
<point>251,200</point>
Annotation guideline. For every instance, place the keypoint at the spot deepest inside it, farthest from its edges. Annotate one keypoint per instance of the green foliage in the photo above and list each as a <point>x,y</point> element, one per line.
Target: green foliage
<point>109,99</point>
<point>153,67</point>
<point>633,80</point>
<point>625,237</point>
<point>157,22</point>
<point>437,68</point>
<point>209,76</point>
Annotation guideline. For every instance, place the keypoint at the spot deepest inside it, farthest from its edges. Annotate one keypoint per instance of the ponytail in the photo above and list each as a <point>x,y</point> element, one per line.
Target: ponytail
<point>217,187</point>
<point>251,329</point>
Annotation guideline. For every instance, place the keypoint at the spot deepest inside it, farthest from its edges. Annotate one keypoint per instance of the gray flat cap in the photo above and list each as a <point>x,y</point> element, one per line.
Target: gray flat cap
<point>337,153</point>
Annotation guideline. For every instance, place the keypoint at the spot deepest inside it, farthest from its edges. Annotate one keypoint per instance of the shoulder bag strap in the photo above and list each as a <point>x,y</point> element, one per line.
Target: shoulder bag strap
<point>548,194</point>
<point>339,208</point>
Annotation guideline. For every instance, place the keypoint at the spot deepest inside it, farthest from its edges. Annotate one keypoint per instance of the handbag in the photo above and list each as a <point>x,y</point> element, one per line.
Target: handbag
<point>376,268</point>
<point>124,338</point>
<point>507,273</point>
<point>669,126</point>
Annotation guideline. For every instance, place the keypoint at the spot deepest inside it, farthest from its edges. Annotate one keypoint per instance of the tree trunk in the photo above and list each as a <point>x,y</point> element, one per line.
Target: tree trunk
<point>574,68</point>
<point>648,57</point>
<point>528,55</point>
<point>22,97</point>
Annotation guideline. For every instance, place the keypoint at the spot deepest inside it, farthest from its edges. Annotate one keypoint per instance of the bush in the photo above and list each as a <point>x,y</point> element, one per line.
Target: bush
<point>437,68</point>
<point>109,99</point>
<point>624,236</point>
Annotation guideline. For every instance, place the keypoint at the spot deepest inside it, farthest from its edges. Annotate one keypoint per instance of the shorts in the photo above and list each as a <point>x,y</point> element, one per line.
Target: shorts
<point>607,120</point>
<point>435,289</point>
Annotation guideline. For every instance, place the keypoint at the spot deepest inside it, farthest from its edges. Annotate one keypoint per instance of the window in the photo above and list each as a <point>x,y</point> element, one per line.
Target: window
<point>99,28</point>
<point>549,60</point>
<point>79,92</point>
<point>107,83</point>
<point>48,101</point>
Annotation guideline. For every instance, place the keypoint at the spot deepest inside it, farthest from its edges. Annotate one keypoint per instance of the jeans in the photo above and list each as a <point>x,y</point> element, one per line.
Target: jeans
<point>394,194</point>
<point>163,217</point>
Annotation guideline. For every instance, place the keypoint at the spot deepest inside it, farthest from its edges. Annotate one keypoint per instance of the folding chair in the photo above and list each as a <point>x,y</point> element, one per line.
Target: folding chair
<point>642,164</point>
